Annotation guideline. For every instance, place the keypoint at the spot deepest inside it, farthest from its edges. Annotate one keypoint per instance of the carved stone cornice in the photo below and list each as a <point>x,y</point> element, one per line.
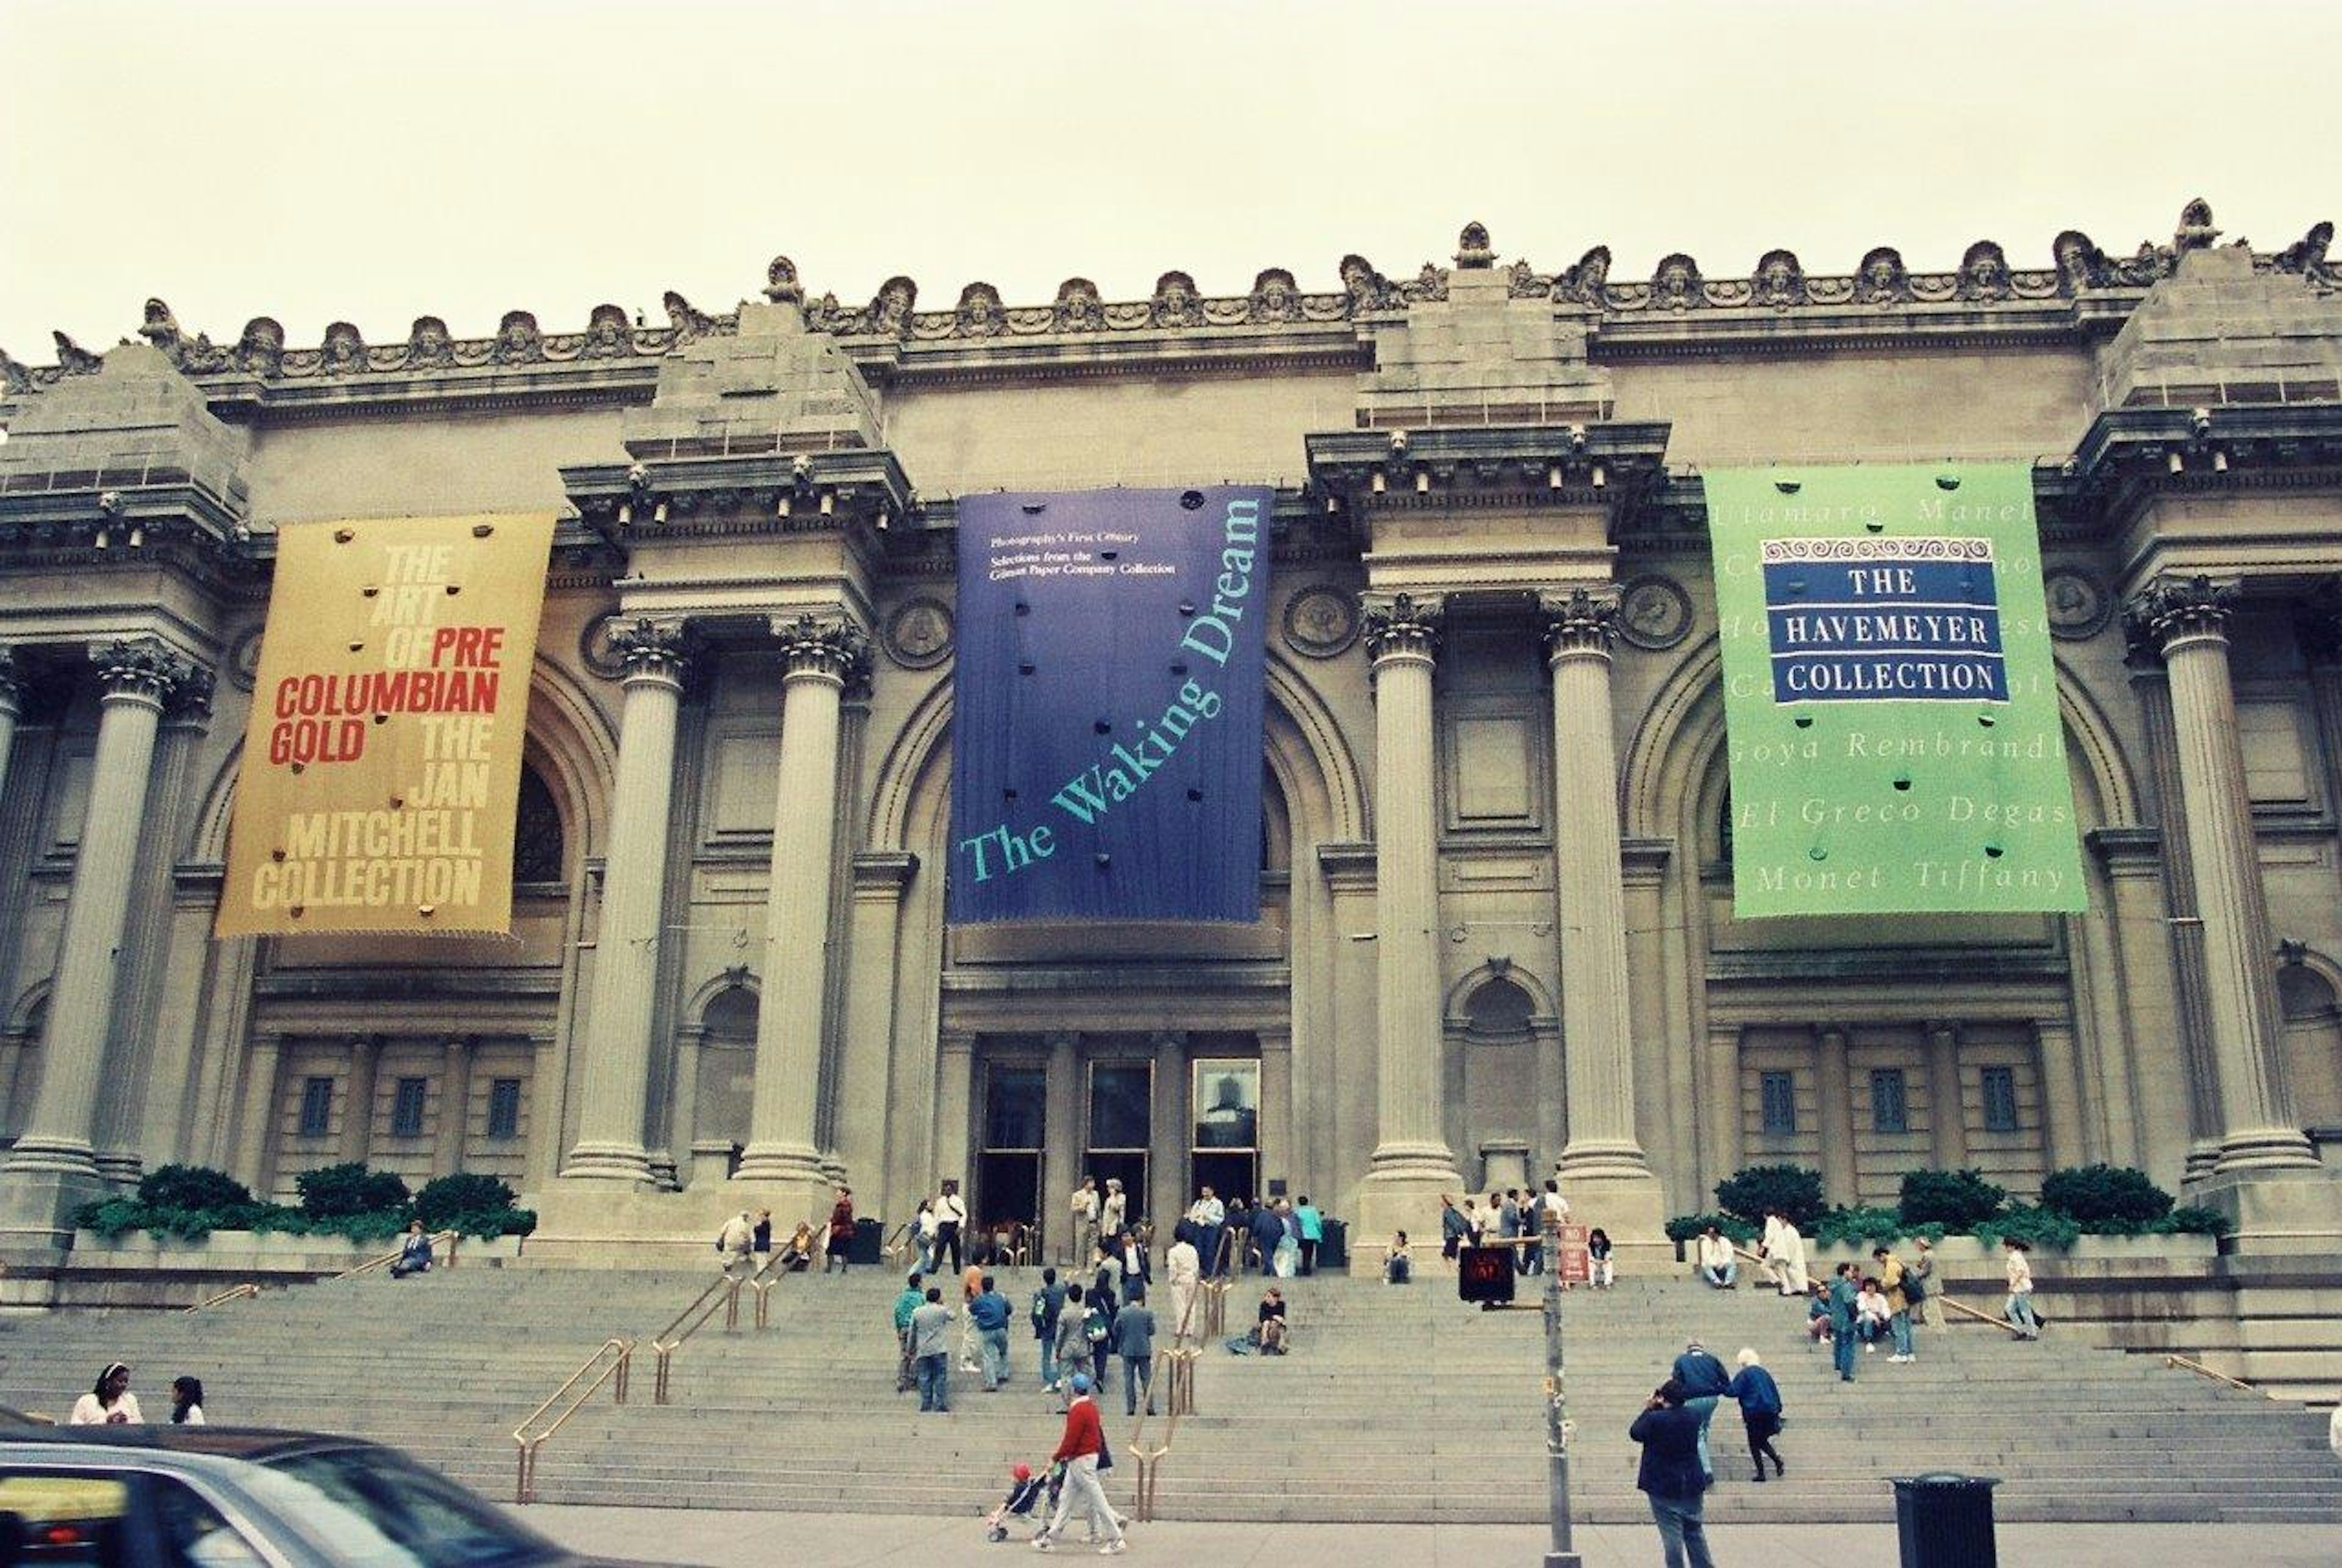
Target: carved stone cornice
<point>823,647</point>
<point>2173,609</point>
<point>655,651</point>
<point>1584,620</point>
<point>143,670</point>
<point>1598,462</point>
<point>1403,626</point>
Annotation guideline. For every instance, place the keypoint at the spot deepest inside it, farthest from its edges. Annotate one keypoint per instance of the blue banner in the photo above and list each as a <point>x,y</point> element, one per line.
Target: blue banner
<point>1106,720</point>
<point>1888,619</point>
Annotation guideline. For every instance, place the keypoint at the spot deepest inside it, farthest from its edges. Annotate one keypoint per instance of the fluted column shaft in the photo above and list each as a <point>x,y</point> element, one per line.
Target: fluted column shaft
<point>12,708</point>
<point>1403,636</point>
<point>137,679</point>
<point>633,891</point>
<point>2189,621</point>
<point>1596,1017</point>
<point>821,656</point>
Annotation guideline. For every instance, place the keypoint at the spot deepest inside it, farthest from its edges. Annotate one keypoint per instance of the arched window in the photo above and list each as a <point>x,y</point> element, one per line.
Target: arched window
<point>1498,1013</point>
<point>2313,1045</point>
<point>537,831</point>
<point>730,1016</point>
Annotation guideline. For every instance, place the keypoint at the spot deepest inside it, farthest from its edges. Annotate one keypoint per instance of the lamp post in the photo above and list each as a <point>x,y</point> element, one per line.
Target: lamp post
<point>1560,1555</point>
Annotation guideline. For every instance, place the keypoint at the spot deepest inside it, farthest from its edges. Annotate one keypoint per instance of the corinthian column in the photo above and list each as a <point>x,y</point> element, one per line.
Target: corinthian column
<point>634,886</point>
<point>2187,620</point>
<point>822,653</point>
<point>12,708</point>
<point>54,1162</point>
<point>1411,1164</point>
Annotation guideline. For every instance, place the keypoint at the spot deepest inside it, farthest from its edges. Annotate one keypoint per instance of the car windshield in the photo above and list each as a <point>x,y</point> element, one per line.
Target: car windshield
<point>375,1508</point>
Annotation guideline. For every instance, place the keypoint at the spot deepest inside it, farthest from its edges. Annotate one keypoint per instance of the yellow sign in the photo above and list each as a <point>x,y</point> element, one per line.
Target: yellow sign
<point>382,762</point>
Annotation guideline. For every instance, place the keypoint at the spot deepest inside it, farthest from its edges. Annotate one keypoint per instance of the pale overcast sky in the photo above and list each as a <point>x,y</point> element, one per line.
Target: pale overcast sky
<point>378,161</point>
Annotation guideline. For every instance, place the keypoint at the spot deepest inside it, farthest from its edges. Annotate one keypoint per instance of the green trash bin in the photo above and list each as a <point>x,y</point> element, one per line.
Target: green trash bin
<point>1945,1519</point>
<point>869,1238</point>
<point>1332,1245</point>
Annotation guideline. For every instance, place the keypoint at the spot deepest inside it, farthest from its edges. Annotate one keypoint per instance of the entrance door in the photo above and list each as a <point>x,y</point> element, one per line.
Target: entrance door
<point>1225,1150</point>
<point>1007,1200</point>
<point>1120,1116</point>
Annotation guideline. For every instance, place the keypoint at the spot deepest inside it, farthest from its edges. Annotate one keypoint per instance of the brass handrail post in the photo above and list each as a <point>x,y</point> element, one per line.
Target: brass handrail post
<point>614,1375</point>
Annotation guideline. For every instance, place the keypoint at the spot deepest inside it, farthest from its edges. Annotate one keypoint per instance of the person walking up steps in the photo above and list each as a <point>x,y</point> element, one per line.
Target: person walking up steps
<point>1843,1295</point>
<point>1760,1411</point>
<point>1704,1381</point>
<point>905,1304</point>
<point>1073,1342</point>
<point>1047,1302</point>
<point>1079,1451</point>
<point>1670,1475</point>
<point>2020,1289</point>
<point>1894,1280</point>
<point>1920,1286</point>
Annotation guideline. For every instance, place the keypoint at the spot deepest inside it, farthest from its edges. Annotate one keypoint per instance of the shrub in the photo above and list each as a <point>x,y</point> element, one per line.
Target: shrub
<point>490,1223</point>
<point>338,1192</point>
<point>195,1187</point>
<point>2042,1227</point>
<point>374,1226</point>
<point>112,1218</point>
<point>1794,1189</point>
<point>447,1199</point>
<point>2193,1220</point>
<point>2093,1195</point>
<point>1956,1199</point>
<point>1867,1227</point>
<point>1684,1227</point>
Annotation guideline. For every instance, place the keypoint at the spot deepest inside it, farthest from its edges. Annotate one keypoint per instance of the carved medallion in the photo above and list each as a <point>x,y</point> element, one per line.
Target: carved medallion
<point>919,634</point>
<point>1653,613</point>
<point>1320,623</point>
<point>2080,604</point>
<point>598,649</point>
<point>244,659</point>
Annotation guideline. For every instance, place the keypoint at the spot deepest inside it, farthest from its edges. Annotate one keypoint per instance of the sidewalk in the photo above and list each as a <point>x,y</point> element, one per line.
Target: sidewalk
<point>854,1541</point>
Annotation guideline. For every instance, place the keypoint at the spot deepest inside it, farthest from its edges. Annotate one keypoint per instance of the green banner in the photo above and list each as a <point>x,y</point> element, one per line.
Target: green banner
<point>1890,699</point>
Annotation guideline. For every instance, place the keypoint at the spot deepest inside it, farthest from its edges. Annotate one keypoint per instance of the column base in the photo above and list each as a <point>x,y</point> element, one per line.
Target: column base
<point>1628,1206</point>
<point>606,1162</point>
<point>121,1168</point>
<point>2264,1149</point>
<point>1402,1196</point>
<point>2202,1156</point>
<point>2287,1211</point>
<point>38,1202</point>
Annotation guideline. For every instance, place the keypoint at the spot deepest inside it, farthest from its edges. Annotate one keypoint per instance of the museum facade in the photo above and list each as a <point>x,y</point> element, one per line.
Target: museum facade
<point>1497,930</point>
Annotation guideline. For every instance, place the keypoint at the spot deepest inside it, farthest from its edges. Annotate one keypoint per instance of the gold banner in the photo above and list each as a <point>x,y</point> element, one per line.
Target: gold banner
<point>381,763</point>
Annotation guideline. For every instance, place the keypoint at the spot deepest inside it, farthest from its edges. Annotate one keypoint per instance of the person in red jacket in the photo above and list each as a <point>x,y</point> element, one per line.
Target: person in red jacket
<point>1079,1451</point>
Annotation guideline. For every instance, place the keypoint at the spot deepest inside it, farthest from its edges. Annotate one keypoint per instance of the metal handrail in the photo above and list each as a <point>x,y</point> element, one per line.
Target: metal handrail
<point>450,1237</point>
<point>724,1292</point>
<point>762,1281</point>
<point>2200,1370</point>
<point>247,1288</point>
<point>614,1373</point>
<point>1984,1318</point>
<point>1150,1459</point>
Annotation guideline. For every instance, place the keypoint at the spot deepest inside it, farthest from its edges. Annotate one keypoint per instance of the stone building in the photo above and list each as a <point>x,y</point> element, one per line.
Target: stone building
<point>1497,931</point>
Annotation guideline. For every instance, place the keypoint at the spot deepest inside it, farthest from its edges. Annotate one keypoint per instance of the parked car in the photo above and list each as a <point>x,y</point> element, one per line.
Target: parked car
<point>224,1497</point>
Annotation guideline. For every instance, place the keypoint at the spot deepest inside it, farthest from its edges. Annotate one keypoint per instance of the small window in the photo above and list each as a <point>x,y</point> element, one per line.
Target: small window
<point>317,1107</point>
<point>504,1108</point>
<point>406,1109</point>
<point>1888,1112</point>
<point>2000,1099</point>
<point>1779,1092</point>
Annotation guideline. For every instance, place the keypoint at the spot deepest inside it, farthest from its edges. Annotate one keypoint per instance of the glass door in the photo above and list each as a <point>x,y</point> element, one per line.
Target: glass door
<point>1120,1105</point>
<point>1007,1208</point>
<point>1225,1154</point>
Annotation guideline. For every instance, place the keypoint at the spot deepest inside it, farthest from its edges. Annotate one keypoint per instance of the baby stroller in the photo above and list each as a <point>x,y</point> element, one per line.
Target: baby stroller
<point>1031,1498</point>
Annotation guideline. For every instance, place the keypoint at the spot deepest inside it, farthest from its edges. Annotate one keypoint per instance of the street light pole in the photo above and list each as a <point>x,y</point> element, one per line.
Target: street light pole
<point>1561,1554</point>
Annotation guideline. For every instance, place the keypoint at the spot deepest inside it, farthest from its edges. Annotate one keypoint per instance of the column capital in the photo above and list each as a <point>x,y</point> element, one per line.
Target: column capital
<point>828,647</point>
<point>652,651</point>
<point>144,669</point>
<point>1401,626</point>
<point>2172,610</point>
<point>1581,621</point>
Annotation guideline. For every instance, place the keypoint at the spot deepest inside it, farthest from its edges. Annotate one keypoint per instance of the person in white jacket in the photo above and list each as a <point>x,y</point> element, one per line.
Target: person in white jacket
<point>1785,1254</point>
<point>1185,1266</point>
<point>1717,1265</point>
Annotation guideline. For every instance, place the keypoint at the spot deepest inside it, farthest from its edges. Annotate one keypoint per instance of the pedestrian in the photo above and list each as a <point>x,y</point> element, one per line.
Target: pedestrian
<point>1137,1274</point>
<point>1784,1248</point>
<point>1267,1235</point>
<point>1920,1286</point>
<point>1842,1296</point>
<point>1455,1227</point>
<point>1106,1278</point>
<point>1072,1343</point>
<point>1047,1302</point>
<point>763,1233</point>
<point>1817,1316</point>
<point>931,1351</point>
<point>1313,1233</point>
<point>1185,1271</point>
<point>1097,1334</point>
<point>1134,1341</point>
<point>1670,1476</point>
<point>905,1304</point>
<point>414,1253</point>
<point>1398,1267</point>
<point>109,1402</point>
<point>2019,1310</point>
<point>1271,1330</point>
<point>1080,1450</point>
<point>1703,1381</point>
<point>1599,1274</point>
<point>1083,1234</point>
<point>1760,1411</point>
<point>1870,1315</point>
<point>1553,1202</point>
<point>1208,1215</point>
<point>733,1242</point>
<point>187,1402</point>
<point>951,1213</point>
<point>971,1285</point>
<point>926,1233</point>
<point>989,1312</point>
<point>1893,1282</point>
<point>841,1231</point>
<point>1715,1262</point>
<point>1114,1213</point>
<point>796,1253</point>
<point>1508,1224</point>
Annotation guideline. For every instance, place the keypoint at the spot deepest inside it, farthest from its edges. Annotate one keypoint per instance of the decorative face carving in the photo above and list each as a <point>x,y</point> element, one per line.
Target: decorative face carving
<point>1779,280</point>
<point>428,343</point>
<point>1677,284</point>
<point>979,311</point>
<point>345,350</point>
<point>891,311</point>
<point>606,334</point>
<point>1176,301</point>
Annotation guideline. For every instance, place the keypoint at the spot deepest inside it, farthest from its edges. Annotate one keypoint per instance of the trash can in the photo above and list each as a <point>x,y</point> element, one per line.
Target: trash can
<point>1945,1520</point>
<point>869,1239</point>
<point>1332,1245</point>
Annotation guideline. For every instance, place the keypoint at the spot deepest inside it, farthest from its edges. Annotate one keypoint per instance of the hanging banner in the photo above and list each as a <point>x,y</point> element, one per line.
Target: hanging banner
<point>1890,697</point>
<point>1106,705</point>
<point>382,762</point>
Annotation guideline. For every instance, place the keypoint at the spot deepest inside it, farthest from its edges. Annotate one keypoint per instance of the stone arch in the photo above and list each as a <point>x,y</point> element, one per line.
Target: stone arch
<point>21,1056</point>
<point>1456,1008</point>
<point>696,1005</point>
<point>2309,994</point>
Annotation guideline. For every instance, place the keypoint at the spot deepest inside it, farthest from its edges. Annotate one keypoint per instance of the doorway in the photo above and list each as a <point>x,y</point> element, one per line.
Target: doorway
<point>1007,1200</point>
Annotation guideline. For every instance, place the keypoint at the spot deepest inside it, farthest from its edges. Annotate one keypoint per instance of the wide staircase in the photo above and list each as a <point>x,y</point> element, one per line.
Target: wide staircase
<point>1395,1404</point>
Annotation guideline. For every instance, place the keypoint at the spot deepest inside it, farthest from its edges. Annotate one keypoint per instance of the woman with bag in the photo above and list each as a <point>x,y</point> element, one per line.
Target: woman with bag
<point>2019,1310</point>
<point>841,1231</point>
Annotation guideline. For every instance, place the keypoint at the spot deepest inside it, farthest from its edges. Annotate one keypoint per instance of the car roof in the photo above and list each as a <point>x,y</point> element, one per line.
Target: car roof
<point>248,1442</point>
